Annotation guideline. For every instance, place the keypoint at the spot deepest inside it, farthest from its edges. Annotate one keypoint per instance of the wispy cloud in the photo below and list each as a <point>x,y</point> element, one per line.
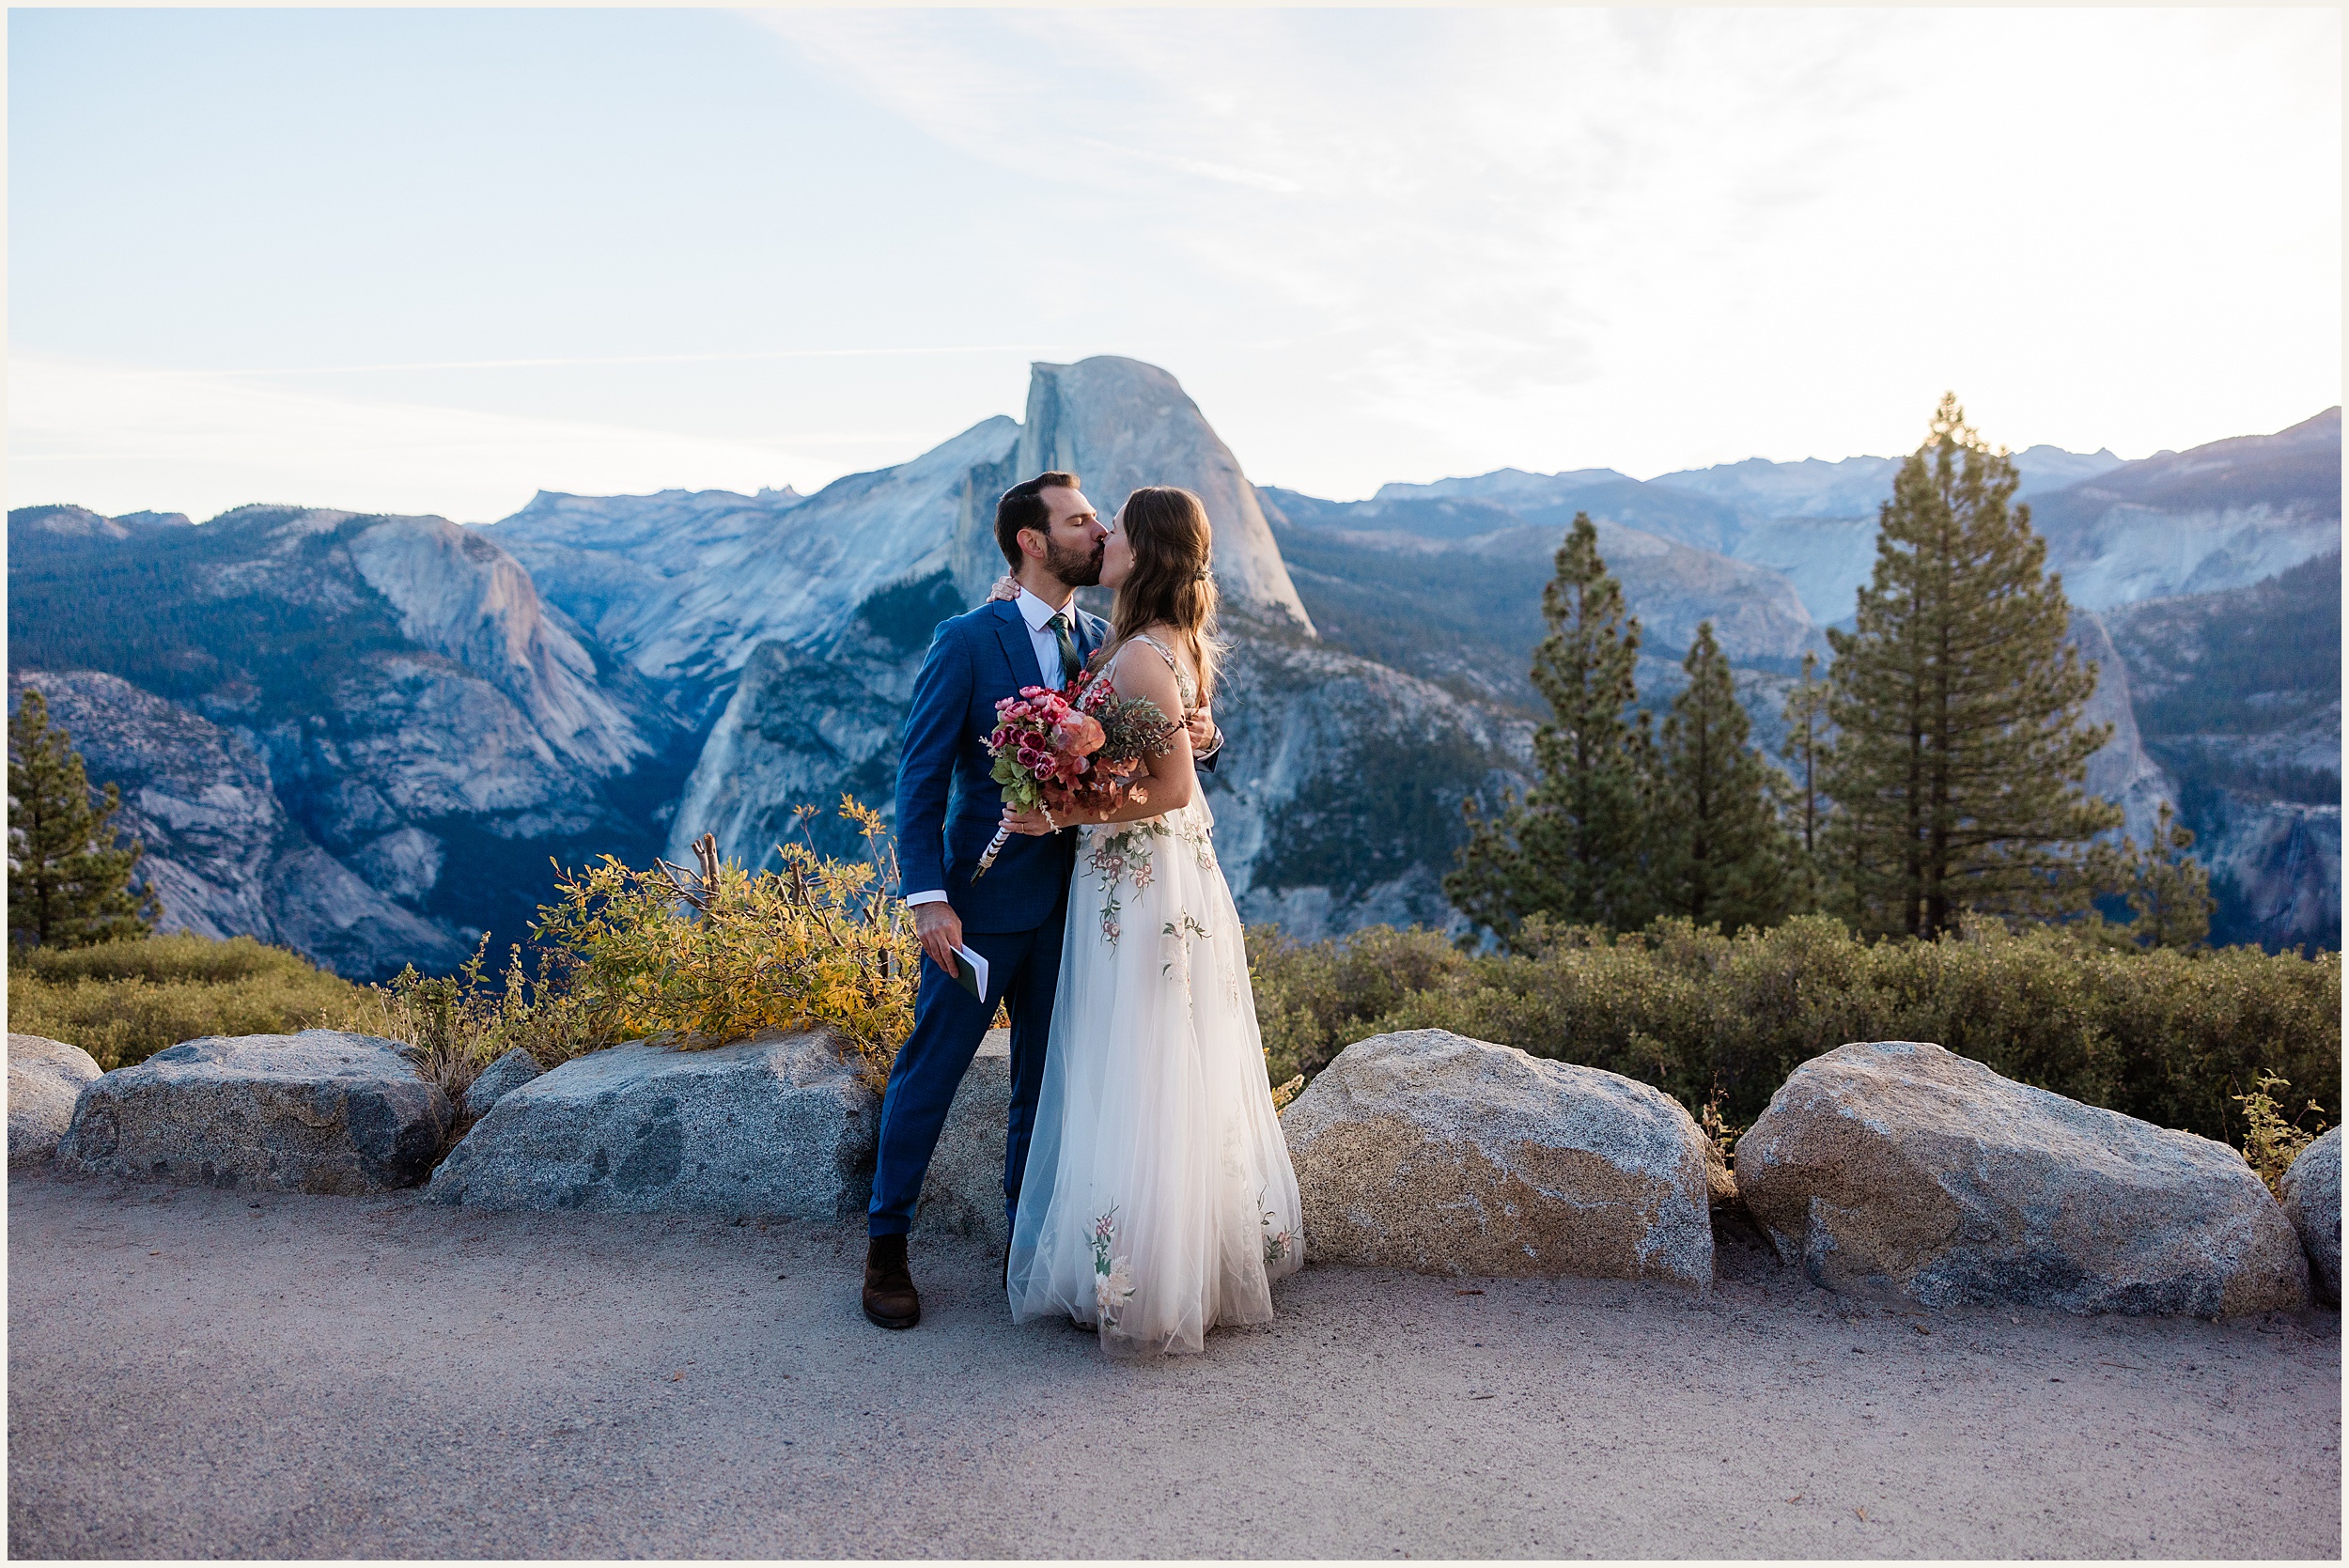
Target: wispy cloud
<point>1652,238</point>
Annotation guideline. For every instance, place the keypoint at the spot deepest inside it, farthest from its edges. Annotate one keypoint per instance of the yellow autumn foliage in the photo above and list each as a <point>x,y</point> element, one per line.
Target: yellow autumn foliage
<point>816,943</point>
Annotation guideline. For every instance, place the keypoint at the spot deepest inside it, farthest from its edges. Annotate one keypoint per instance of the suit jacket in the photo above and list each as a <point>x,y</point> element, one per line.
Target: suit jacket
<point>948,808</point>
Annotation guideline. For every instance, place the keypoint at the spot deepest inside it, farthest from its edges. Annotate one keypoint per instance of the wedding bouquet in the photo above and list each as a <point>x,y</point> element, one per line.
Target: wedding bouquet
<point>1072,754</point>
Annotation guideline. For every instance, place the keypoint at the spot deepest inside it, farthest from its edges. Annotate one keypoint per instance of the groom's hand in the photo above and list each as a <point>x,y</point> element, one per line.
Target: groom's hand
<point>940,930</point>
<point>1201,727</point>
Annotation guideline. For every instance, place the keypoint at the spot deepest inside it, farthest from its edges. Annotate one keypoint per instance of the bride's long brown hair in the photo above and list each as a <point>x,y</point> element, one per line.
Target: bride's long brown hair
<point>1167,529</point>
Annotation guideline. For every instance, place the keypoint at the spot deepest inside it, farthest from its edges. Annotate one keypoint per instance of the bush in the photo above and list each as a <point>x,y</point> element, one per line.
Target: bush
<point>814,944</point>
<point>1315,999</point>
<point>461,1023</point>
<point>2166,1036</point>
<point>2272,1141</point>
<point>123,1002</point>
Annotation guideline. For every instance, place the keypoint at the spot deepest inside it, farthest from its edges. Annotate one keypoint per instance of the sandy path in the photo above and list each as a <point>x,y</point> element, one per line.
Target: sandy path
<point>198,1374</point>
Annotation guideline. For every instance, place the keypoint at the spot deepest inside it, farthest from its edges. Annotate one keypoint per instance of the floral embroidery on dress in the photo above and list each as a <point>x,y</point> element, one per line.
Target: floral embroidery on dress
<point>1117,856</point>
<point>1276,1243</point>
<point>1112,1281</point>
<point>1181,934</point>
<point>1196,833</point>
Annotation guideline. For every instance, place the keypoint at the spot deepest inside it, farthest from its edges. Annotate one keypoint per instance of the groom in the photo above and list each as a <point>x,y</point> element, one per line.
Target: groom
<point>948,809</point>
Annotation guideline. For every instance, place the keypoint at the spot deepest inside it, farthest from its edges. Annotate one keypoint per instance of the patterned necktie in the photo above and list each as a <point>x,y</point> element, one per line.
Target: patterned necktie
<point>1070,665</point>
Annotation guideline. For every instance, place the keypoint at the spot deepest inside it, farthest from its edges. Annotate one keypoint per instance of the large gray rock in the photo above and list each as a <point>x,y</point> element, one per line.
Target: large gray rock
<point>1899,1170</point>
<point>2312,1199</point>
<point>963,1193</point>
<point>774,1126</point>
<point>498,1079</point>
<point>1428,1151</point>
<point>45,1077</point>
<point>317,1112</point>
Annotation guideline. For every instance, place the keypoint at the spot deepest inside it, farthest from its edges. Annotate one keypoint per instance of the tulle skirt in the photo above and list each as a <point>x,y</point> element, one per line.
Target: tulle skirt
<point>1159,1201</point>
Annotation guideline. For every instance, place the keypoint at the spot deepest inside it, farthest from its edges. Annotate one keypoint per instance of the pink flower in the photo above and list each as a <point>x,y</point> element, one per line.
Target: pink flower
<point>1079,734</point>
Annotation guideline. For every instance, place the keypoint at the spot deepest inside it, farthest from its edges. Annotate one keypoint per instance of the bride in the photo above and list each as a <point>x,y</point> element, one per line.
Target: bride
<point>1160,1200</point>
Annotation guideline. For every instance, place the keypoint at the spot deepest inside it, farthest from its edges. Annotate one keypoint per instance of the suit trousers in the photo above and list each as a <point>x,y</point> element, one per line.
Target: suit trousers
<point>1023,973</point>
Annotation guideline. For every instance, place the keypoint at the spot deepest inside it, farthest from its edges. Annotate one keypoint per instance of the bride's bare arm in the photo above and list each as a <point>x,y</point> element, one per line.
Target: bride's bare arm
<point>1173,780</point>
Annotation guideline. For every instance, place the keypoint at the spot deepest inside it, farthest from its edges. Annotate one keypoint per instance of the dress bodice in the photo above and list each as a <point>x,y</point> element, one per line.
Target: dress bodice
<point>1195,820</point>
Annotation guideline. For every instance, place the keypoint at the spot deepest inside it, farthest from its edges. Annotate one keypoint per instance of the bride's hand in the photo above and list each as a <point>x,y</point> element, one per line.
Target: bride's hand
<point>1031,823</point>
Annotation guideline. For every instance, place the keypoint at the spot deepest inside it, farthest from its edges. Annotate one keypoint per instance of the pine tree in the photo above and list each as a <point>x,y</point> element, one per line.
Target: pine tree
<point>68,886</point>
<point>1717,854</point>
<point>1571,847</point>
<point>1959,753</point>
<point>1806,753</point>
<point>2167,892</point>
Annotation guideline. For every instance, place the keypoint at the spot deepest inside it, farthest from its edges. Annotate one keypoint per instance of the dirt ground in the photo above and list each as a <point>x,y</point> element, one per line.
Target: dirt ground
<point>198,1374</point>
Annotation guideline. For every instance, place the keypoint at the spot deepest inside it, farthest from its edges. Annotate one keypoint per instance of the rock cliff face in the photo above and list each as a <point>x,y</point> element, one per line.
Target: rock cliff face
<point>1451,590</point>
<point>1337,801</point>
<point>390,692</point>
<point>221,852</point>
<point>2237,695</point>
<point>2121,771</point>
<point>683,587</point>
<point>1118,424</point>
<point>2220,516</point>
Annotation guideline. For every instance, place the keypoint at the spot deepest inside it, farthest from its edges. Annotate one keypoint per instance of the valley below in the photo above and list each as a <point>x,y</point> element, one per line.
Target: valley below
<point>372,738</point>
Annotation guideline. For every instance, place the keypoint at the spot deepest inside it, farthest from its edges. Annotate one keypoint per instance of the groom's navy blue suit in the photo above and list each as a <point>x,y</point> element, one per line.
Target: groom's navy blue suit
<point>948,809</point>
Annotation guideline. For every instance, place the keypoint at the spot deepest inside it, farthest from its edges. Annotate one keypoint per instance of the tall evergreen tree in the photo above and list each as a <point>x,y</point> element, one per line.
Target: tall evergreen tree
<point>1718,855</point>
<point>1806,750</point>
<point>1959,752</point>
<point>1571,847</point>
<point>69,885</point>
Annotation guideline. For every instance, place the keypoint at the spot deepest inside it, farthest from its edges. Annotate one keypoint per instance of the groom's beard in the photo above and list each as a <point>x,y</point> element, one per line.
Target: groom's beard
<point>1076,568</point>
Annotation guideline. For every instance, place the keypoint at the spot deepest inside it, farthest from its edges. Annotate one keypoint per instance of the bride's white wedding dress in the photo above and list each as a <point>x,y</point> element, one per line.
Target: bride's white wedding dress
<point>1159,1200</point>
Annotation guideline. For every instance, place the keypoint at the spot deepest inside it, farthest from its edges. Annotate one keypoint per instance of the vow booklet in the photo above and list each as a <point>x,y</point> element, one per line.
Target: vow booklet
<point>970,973</point>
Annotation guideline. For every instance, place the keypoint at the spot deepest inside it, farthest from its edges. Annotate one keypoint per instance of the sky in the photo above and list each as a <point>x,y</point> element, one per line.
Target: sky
<point>436,260</point>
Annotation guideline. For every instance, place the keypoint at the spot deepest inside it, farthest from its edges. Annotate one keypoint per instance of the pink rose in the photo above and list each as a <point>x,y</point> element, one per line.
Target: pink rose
<point>1079,734</point>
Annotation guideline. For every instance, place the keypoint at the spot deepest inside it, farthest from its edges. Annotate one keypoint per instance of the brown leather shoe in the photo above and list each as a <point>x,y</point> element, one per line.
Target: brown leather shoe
<point>890,1299</point>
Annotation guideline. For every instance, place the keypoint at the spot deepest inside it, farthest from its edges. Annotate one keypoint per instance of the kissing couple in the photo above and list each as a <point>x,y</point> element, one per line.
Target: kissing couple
<point>1149,1190</point>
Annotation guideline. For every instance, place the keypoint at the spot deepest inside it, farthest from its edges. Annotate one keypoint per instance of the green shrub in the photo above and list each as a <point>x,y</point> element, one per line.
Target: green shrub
<point>2271,1140</point>
<point>2166,1036</point>
<point>123,1002</point>
<point>1315,999</point>
<point>459,1023</point>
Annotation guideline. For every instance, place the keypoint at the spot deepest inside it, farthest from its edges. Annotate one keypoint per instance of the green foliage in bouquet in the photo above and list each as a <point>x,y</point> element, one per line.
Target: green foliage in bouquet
<point>816,944</point>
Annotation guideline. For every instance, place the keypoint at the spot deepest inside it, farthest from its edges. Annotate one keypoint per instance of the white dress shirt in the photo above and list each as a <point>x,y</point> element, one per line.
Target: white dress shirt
<point>1038,615</point>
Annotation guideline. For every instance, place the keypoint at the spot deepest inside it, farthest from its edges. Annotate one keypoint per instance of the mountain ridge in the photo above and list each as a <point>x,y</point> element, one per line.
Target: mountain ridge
<point>432,710</point>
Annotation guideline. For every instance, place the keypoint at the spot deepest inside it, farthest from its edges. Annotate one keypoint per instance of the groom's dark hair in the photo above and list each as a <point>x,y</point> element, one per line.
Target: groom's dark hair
<point>1023,507</point>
